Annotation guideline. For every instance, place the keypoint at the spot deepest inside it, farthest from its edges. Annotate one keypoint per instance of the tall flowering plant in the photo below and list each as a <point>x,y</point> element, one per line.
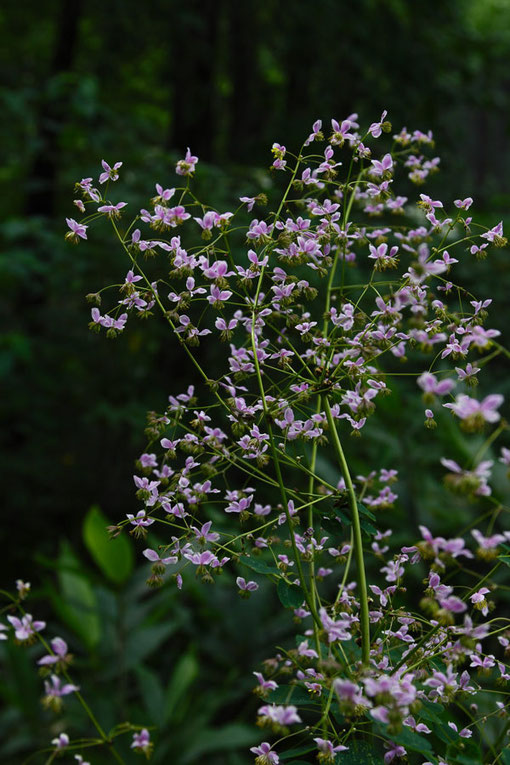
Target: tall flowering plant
<point>313,308</point>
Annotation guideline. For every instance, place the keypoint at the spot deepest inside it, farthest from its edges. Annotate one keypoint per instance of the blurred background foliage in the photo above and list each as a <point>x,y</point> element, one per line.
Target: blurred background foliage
<point>139,82</point>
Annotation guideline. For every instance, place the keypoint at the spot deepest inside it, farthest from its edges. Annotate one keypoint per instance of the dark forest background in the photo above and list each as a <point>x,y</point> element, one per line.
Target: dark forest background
<point>139,82</point>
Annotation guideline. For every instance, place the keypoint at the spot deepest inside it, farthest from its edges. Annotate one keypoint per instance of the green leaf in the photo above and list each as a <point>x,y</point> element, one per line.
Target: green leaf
<point>232,736</point>
<point>290,595</point>
<point>367,527</point>
<point>291,694</point>
<point>359,753</point>
<point>466,759</point>
<point>297,751</point>
<point>506,557</point>
<point>365,511</point>
<point>442,732</point>
<point>337,530</point>
<point>151,692</point>
<point>407,738</point>
<point>432,711</point>
<point>468,754</point>
<point>260,566</point>
<point>77,605</point>
<point>185,672</point>
<point>412,740</point>
<point>113,556</point>
<point>434,714</point>
<point>144,640</point>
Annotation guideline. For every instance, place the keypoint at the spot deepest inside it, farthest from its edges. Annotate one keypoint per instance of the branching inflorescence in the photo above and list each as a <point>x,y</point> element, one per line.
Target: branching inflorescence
<point>317,305</point>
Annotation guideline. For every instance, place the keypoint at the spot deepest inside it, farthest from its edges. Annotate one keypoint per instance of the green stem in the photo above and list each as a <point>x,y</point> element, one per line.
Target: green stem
<point>279,478</point>
<point>313,585</point>
<point>357,540</point>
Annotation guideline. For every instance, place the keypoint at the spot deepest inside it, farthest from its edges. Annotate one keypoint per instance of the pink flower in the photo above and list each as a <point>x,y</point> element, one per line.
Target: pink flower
<point>265,754</point>
<point>204,534</point>
<point>375,128</point>
<point>464,733</point>
<point>54,691</point>
<point>453,604</point>
<point>77,230</point>
<point>265,685</point>
<point>109,173</point>
<point>154,557</point>
<point>489,543</point>
<point>186,166</point>
<point>61,741</point>
<point>249,201</point>
<point>494,234</point>
<point>478,600</point>
<point>394,750</point>
<point>341,132</point>
<point>59,648</point>
<point>142,742</point>
<point>23,588</point>
<point>428,203</point>
<point>279,152</point>
<point>131,278</point>
<point>473,411</point>
<point>281,715</point>
<point>25,628</point>
<point>382,257</point>
<point>505,456</point>
<point>326,747</point>
<point>164,195</point>
<point>430,384</point>
<point>316,133</point>
<point>246,586</point>
<point>336,630</point>
<point>382,167</point>
<point>463,204</point>
<point>140,519</point>
<point>113,211</point>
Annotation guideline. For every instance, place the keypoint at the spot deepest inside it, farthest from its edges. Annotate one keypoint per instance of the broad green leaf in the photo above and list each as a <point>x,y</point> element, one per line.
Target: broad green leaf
<point>296,752</point>
<point>432,711</point>
<point>434,714</point>
<point>412,740</point>
<point>232,736</point>
<point>291,694</point>
<point>77,605</point>
<point>442,731</point>
<point>290,595</point>
<point>260,566</point>
<point>365,511</point>
<point>458,756</point>
<point>466,759</point>
<point>184,674</point>
<point>333,527</point>
<point>152,693</point>
<point>360,753</point>
<point>113,556</point>
<point>467,754</point>
<point>327,468</point>
<point>144,640</point>
<point>367,527</point>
